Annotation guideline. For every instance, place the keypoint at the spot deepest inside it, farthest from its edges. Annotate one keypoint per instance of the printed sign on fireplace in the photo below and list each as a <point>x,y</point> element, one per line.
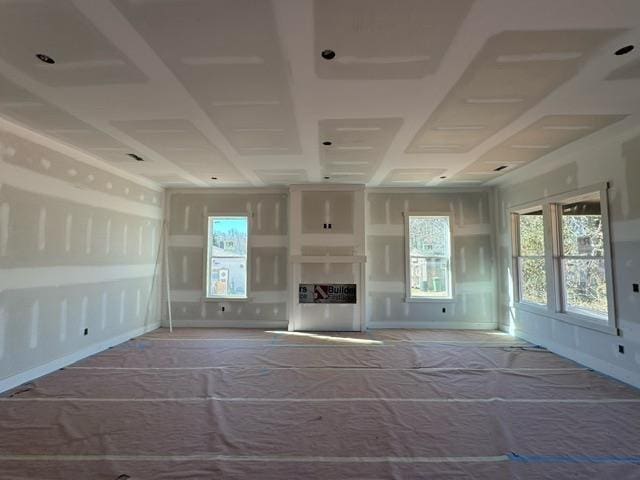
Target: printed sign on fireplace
<point>327,293</point>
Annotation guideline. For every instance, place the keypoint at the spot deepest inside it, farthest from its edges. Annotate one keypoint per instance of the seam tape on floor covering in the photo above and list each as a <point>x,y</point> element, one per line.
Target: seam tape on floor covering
<point>255,458</point>
<point>368,341</point>
<point>426,369</point>
<point>323,400</point>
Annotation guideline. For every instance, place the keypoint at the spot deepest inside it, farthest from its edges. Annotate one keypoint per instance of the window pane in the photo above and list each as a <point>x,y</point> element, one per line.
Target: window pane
<point>585,286</point>
<point>430,256</point>
<point>430,277</point>
<point>227,252</point>
<point>429,236</point>
<point>228,236</point>
<point>533,280</point>
<point>531,233</point>
<point>228,277</point>
<point>582,227</point>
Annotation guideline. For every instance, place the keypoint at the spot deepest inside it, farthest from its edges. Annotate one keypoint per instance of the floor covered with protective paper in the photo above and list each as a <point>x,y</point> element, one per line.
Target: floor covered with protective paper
<point>238,404</point>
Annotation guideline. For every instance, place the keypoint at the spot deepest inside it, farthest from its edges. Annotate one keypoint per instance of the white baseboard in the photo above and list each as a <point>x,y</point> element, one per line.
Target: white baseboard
<point>619,373</point>
<point>23,377</point>
<point>434,325</point>
<point>280,324</point>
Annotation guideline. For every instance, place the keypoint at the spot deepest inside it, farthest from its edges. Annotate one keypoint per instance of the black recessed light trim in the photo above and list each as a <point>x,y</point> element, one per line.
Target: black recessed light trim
<point>214,178</point>
<point>443,177</point>
<point>624,50</point>
<point>327,178</point>
<point>328,54</point>
<point>137,158</point>
<point>501,167</point>
<point>45,58</point>
<point>327,143</point>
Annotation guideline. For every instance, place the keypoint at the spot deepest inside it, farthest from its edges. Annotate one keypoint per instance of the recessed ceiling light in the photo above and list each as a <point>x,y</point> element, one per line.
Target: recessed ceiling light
<point>501,167</point>
<point>137,158</point>
<point>624,50</point>
<point>214,178</point>
<point>443,177</point>
<point>45,58</point>
<point>327,178</point>
<point>327,143</point>
<point>328,54</point>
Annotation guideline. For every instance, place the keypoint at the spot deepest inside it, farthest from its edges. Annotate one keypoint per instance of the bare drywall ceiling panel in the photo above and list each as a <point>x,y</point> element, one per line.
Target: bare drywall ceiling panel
<point>378,39</point>
<point>34,112</point>
<point>411,177</point>
<point>179,141</point>
<point>282,177</point>
<point>511,73</point>
<point>629,71</point>
<point>229,59</point>
<point>82,55</point>
<point>538,139</point>
<point>357,146</point>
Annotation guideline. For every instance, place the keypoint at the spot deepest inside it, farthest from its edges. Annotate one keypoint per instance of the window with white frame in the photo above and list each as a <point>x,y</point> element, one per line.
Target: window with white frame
<point>581,254</point>
<point>530,256</point>
<point>226,269</point>
<point>578,287</point>
<point>428,246</point>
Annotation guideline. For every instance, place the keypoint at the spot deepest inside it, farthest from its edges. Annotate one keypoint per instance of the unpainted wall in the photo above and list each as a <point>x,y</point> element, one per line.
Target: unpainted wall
<point>79,250</point>
<point>616,162</point>
<point>474,301</point>
<point>268,259</point>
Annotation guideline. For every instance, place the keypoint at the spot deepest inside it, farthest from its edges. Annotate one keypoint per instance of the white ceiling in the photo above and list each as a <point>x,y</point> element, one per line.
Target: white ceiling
<point>237,89</point>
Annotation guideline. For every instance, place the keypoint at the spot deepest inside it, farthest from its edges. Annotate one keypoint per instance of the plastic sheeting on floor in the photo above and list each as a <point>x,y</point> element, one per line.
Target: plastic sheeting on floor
<point>279,405</point>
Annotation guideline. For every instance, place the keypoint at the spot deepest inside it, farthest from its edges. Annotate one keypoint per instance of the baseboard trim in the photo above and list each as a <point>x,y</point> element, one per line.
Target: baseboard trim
<point>614,371</point>
<point>434,325</point>
<point>227,324</point>
<point>36,372</point>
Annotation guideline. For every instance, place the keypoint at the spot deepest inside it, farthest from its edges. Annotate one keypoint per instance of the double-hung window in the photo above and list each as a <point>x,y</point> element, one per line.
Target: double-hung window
<point>428,247</point>
<point>567,276</point>
<point>530,256</point>
<point>227,259</point>
<point>581,253</point>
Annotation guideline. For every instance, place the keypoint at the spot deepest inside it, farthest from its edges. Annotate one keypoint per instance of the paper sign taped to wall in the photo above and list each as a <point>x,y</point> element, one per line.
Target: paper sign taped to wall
<point>327,293</point>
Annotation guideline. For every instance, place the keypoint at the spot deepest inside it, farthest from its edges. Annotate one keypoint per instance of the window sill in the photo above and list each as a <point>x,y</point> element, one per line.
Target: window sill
<point>576,319</point>
<point>429,300</point>
<point>225,299</point>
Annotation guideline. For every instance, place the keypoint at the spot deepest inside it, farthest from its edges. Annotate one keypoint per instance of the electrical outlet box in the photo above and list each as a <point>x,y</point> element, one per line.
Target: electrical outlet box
<point>636,288</point>
<point>86,331</point>
<point>620,348</point>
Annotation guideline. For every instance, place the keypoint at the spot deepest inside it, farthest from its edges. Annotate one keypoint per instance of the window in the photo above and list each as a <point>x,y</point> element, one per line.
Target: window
<point>226,270</point>
<point>428,270</point>
<point>582,256</point>
<point>530,256</point>
<point>577,287</point>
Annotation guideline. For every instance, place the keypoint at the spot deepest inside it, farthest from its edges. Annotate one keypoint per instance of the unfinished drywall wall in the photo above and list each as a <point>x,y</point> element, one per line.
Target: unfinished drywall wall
<point>268,261</point>
<point>474,302</point>
<point>616,162</point>
<point>79,248</point>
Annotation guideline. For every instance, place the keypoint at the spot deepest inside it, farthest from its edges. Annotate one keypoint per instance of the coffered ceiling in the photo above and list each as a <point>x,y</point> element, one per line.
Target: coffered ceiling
<point>237,93</point>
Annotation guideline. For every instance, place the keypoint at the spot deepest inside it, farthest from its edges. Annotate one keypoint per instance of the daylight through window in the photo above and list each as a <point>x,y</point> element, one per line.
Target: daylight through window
<point>530,257</point>
<point>227,257</point>
<point>429,262</point>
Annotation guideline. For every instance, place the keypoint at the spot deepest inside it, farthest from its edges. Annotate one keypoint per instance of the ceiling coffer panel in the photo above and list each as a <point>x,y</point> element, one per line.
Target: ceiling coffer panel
<point>19,104</point>
<point>282,177</point>
<point>382,39</point>
<point>228,57</point>
<point>411,177</point>
<point>56,28</point>
<point>538,139</point>
<point>180,142</point>
<point>511,73</point>
<point>357,147</point>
